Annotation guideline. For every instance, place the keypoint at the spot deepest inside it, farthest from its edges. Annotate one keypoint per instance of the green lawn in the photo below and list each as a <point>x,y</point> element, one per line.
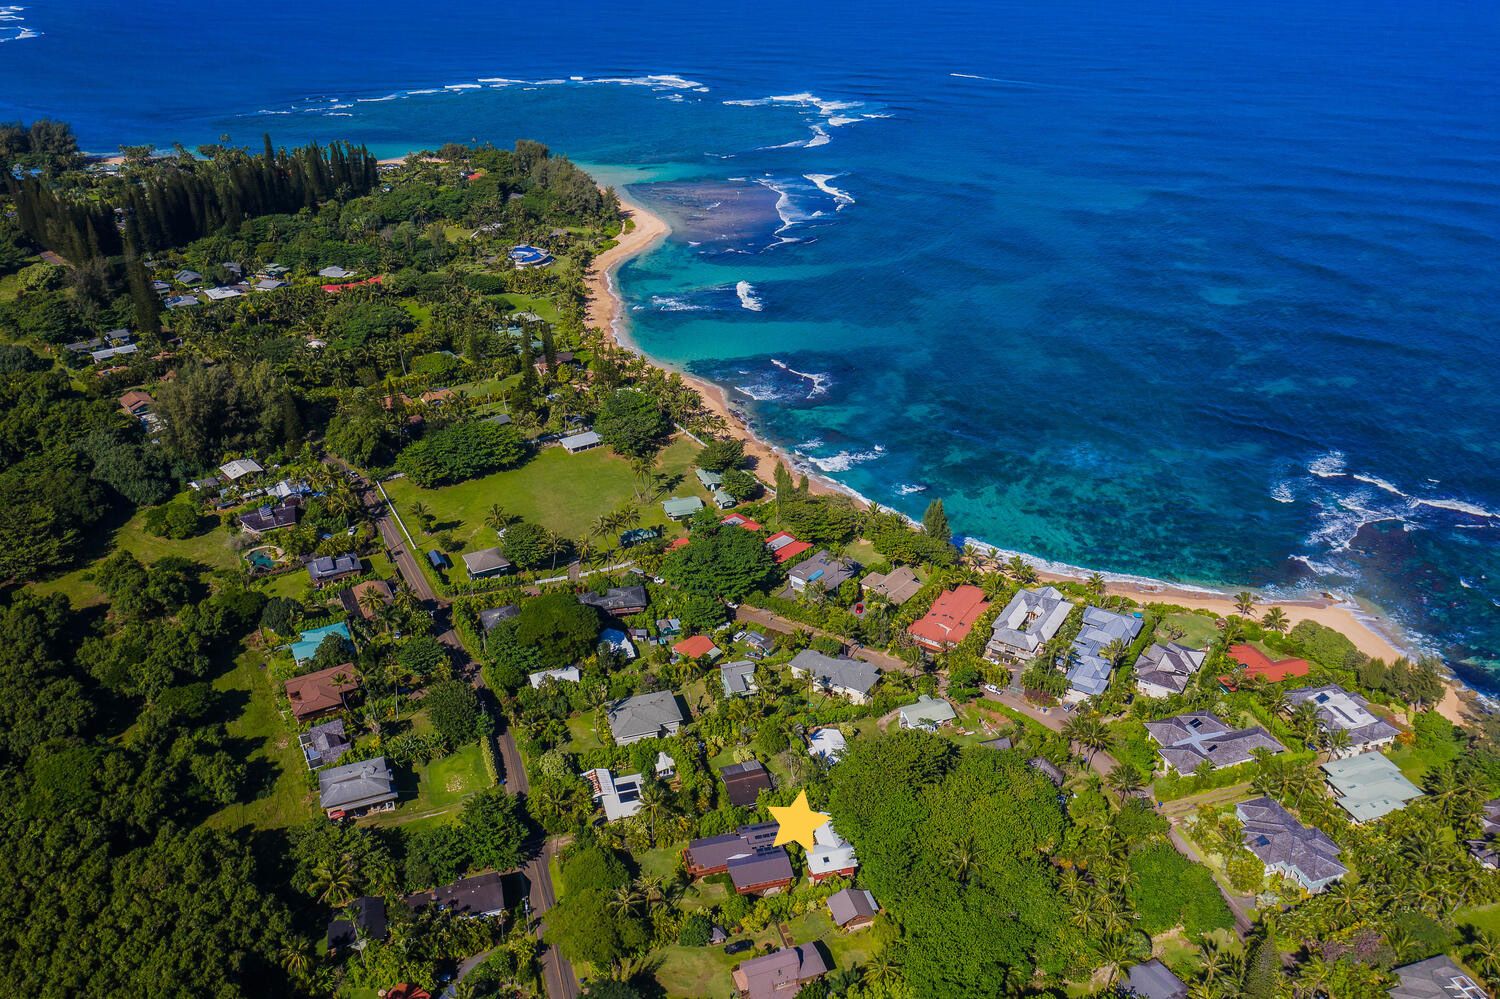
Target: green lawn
<point>562,492</point>
<point>530,303</point>
<point>704,971</point>
<point>1484,917</point>
<point>581,734</point>
<point>274,759</point>
<point>1198,629</point>
<point>1415,760</point>
<point>432,793</point>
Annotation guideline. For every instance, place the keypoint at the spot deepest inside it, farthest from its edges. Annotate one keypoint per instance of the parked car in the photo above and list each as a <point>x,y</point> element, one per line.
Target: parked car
<point>738,947</point>
<point>992,688</point>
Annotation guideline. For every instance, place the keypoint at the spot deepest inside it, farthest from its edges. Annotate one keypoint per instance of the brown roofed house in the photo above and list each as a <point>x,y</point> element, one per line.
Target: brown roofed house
<point>356,601</point>
<point>852,908</point>
<point>744,782</point>
<point>952,617</point>
<point>897,586</point>
<point>782,973</point>
<point>314,694</point>
<point>136,402</point>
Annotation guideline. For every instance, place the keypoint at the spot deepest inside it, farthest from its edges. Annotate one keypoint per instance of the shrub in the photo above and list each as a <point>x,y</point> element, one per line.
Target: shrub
<point>461,451</point>
<point>1171,890</point>
<point>177,520</point>
<point>454,710</point>
<point>696,930</point>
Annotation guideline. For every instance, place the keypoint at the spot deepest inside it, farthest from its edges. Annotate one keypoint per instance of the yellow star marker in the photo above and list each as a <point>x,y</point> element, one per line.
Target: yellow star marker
<point>797,821</point>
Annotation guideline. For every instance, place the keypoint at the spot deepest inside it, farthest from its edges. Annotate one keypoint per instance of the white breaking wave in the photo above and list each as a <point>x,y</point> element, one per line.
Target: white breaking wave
<point>840,197</point>
<point>760,393</point>
<point>12,21</point>
<point>1379,483</point>
<point>820,380</point>
<point>461,86</point>
<point>660,81</point>
<point>1327,466</point>
<point>830,111</point>
<point>419,92</point>
<point>1459,506</point>
<point>671,303</point>
<point>809,445</point>
<point>748,299</point>
<point>907,488</point>
<point>376,100</point>
<point>845,460</point>
<point>1282,492</point>
<point>820,137</point>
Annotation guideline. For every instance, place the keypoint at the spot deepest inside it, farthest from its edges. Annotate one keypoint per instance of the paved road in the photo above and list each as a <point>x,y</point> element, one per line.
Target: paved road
<point>557,972</point>
<point>1054,718</point>
<point>786,626</point>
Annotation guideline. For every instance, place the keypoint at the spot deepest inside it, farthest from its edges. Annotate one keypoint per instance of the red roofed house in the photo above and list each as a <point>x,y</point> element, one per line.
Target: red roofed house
<point>137,403</point>
<point>951,618</point>
<point>677,543</point>
<point>740,520</point>
<point>1257,663</point>
<point>334,289</point>
<point>314,694</point>
<point>785,547</point>
<point>697,647</point>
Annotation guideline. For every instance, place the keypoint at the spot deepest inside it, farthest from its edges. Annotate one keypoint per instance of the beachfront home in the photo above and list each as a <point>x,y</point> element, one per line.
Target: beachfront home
<point>852,909</point>
<point>356,788</point>
<point>784,547</point>
<point>743,782</point>
<point>827,744</point>
<point>1369,786</point>
<point>327,569</point>
<point>618,601</point>
<point>713,483</point>
<point>779,975</point>
<point>558,674</point>
<point>314,694</point>
<point>823,573</point>
<point>585,441</point>
<point>681,507</point>
<point>1088,672</point>
<point>927,713</point>
<point>836,675</point>
<point>524,256</point>
<point>952,617</point>
<point>620,797</point>
<point>1029,621</point>
<point>738,678</point>
<point>1435,978</point>
<point>322,744</point>
<point>1256,663</point>
<point>741,521</point>
<point>644,716</point>
<point>1285,846</point>
<point>239,468</point>
<point>1187,741</point>
<point>1164,670</point>
<point>1337,708</point>
<point>831,855</point>
<point>485,562</point>
<point>895,587</point>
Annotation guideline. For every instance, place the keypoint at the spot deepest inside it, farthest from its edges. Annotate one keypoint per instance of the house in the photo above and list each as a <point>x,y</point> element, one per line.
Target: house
<point>368,923</point>
<point>529,256</point>
<point>738,678</point>
<point>759,645</point>
<point>239,468</point>
<point>1285,846</point>
<point>764,872</point>
<point>480,895</point>
<point>697,647</point>
<point>1047,769</point>
<point>1188,740</point>
<point>827,744</point>
<point>1154,980</point>
<point>666,767</point>
<point>713,483</point>
<point>1257,663</point>
<point>741,521</point>
<point>109,353</point>
<point>1088,672</point>
<point>638,535</point>
<point>204,485</point>
<point>326,569</point>
<point>1164,670</point>
<point>618,642</point>
<point>438,397</point>
<point>744,781</point>
<point>489,617</point>
<point>999,745</point>
<point>852,909</point>
<point>667,627</point>
<point>276,270</point>
<point>581,442</point>
<point>560,358</point>
<point>322,744</point>
<point>831,855</point>
<point>160,287</point>
<point>187,277</point>
<point>845,677</point>
<point>314,694</point>
<point>952,617</point>
<point>784,547</point>
<point>1435,978</point>
<point>137,403</point>
<point>269,284</point>
<point>356,787</point>
<point>620,797</point>
<point>561,674</point>
<point>1337,708</point>
<point>287,488</point>
<point>485,563</point>
<point>1029,621</point>
<point>681,507</point>
<point>438,560</point>
<point>360,598</point>
<point>1483,849</point>
<point>822,573</point>
<point>711,855</point>
<point>182,301</point>
<point>335,272</point>
<point>644,716</point>
<point>1369,786</point>
<point>618,601</point>
<point>897,586</point>
<point>267,518</point>
<point>221,293</point>
<point>927,713</point>
<point>779,975</point>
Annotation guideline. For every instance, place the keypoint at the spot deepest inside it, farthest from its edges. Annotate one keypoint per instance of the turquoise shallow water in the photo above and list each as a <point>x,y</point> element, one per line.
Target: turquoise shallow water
<point>1199,293</point>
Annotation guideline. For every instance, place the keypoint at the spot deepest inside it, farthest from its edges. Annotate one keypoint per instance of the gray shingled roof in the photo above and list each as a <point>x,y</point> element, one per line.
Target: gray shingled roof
<point>1030,620</point>
<point>824,569</point>
<point>738,677</point>
<point>1089,673</point>
<point>617,599</point>
<point>644,716</point>
<point>851,903</point>
<point>847,674</point>
<point>1338,708</point>
<point>1435,978</point>
<point>1154,980</point>
<point>1272,834</point>
<point>356,785</point>
<point>1168,666</point>
<point>1188,739</point>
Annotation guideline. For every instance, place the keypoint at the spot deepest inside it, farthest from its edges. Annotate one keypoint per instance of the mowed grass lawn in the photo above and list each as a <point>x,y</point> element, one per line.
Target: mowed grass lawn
<point>433,793</point>
<point>704,971</point>
<point>562,492</point>
<point>1198,630</point>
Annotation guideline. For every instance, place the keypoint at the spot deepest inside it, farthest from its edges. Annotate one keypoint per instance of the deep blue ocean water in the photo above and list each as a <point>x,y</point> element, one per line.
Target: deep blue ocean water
<point>1199,291</point>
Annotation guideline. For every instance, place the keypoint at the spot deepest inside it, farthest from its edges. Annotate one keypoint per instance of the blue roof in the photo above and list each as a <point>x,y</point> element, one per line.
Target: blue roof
<point>307,644</point>
<point>528,254</point>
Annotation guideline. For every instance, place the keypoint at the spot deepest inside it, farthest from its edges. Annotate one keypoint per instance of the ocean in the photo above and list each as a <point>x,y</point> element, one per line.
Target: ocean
<point>1201,292</point>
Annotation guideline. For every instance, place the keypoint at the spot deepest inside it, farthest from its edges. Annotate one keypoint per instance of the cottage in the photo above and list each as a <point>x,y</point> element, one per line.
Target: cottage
<point>637,536</point>
<point>1047,769</point>
<point>831,855</point>
<point>322,744</point>
<point>758,646</point>
<point>927,713</point>
<point>1029,621</point>
<point>1164,670</point>
<point>681,507</point>
<point>335,272</point>
<point>187,278</point>
<point>438,560</point>
<point>486,562</point>
<point>269,284</point>
<point>1337,708</point>
<point>326,569</point>
<point>645,716</point>
<point>738,678</point>
<point>764,872</point>
<point>137,403</point>
<point>222,293</point>
<point>182,301</point>
<point>110,353</point>
<point>620,797</point>
<point>1154,980</point>
<point>368,923</point>
<point>827,744</point>
<point>1287,847</point>
<point>784,547</point>
<point>780,975</point>
<point>239,468</point>
<point>852,909</point>
<point>1435,978</point>
<point>1369,786</point>
<point>1088,672</point>
<point>204,485</point>
<point>999,745</point>
<point>362,599</point>
<point>287,488</point>
<point>581,442</point>
<point>314,694</point>
<point>699,647</point>
<point>845,677</point>
<point>1187,741</point>
<point>267,518</point>
<point>473,897</point>
<point>822,573</point>
<point>741,521</point>
<point>744,781</point>
<point>952,617</point>
<point>895,587</point>
<point>618,601</point>
<point>355,788</point>
<point>560,674</point>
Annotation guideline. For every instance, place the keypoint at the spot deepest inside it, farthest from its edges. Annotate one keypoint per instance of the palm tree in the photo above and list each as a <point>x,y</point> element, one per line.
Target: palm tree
<point>1313,976</point>
<point>1275,619</point>
<point>1113,651</point>
<point>1244,602</point>
<point>497,519</point>
<point>1116,953</point>
<point>655,807</point>
<point>1125,779</point>
<point>964,858</point>
<point>424,516</point>
<point>1336,740</point>
<point>296,959</point>
<point>626,898</point>
<point>1095,585</point>
<point>881,968</point>
<point>334,882</point>
<point>843,980</point>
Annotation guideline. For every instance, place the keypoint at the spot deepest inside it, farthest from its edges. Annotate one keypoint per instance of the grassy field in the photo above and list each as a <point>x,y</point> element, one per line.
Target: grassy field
<point>273,758</point>
<point>433,792</point>
<point>1198,629</point>
<point>1484,917</point>
<point>1415,761</point>
<point>581,734</point>
<point>562,492</point>
<point>704,971</point>
<point>530,303</point>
